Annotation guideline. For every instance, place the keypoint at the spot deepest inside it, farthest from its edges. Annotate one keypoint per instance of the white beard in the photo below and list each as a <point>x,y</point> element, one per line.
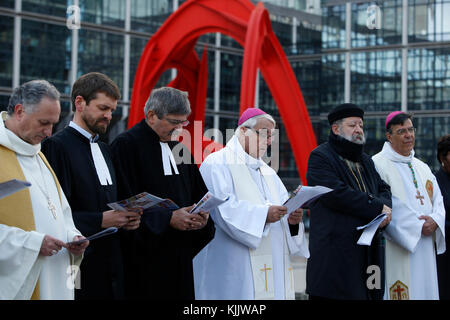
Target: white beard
<point>354,138</point>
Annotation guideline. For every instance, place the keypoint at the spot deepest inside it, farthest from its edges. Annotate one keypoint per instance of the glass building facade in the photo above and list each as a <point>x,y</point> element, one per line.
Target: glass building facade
<point>383,56</point>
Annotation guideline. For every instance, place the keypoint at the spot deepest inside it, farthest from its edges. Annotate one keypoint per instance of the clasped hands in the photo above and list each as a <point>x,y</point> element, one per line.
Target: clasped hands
<point>429,225</point>
<point>128,220</point>
<point>275,213</point>
<point>183,220</point>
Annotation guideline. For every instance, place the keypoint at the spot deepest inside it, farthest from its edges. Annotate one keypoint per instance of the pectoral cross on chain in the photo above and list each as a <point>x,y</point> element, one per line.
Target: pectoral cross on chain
<point>265,273</point>
<point>420,197</point>
<point>51,207</point>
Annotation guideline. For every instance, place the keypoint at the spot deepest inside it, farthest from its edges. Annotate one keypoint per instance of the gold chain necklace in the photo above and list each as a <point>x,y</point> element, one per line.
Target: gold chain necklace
<point>354,175</point>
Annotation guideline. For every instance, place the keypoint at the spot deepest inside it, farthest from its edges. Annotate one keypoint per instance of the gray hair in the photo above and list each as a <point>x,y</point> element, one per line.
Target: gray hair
<point>167,100</point>
<point>30,95</point>
<point>251,123</point>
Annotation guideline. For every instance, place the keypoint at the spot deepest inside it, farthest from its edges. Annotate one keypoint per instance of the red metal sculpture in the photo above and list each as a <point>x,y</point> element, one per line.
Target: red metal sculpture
<point>173,47</point>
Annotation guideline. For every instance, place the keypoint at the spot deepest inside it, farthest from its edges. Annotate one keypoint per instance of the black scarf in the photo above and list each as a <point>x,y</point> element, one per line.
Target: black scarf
<point>346,149</point>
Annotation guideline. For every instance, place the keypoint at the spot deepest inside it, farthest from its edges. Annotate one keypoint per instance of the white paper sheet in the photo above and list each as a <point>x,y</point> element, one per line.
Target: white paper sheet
<point>369,230</point>
<point>304,195</point>
<point>207,203</point>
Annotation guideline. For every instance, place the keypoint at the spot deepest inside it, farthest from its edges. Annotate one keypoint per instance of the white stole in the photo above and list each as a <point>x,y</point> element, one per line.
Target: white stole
<point>261,257</point>
<point>404,232</point>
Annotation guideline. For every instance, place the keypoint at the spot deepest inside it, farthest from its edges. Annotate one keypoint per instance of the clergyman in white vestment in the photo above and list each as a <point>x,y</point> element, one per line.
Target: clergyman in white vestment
<point>36,223</point>
<point>249,257</point>
<point>417,228</point>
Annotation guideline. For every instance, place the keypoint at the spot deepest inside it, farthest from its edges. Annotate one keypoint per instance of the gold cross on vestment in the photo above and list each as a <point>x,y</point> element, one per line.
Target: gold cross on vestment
<point>420,197</point>
<point>265,273</point>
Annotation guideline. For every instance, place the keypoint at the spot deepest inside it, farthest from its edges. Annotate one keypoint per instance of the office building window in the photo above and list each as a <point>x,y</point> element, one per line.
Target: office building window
<point>376,80</point>
<point>230,84</point>
<point>6,50</point>
<point>390,31</point>
<point>428,20</point>
<point>333,27</point>
<point>101,52</point>
<point>45,53</point>
<point>49,7</point>
<point>148,16</point>
<point>105,12</point>
<point>429,79</point>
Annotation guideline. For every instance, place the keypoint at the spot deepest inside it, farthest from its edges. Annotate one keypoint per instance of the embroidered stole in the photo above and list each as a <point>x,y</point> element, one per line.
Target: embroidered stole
<point>16,210</point>
<point>261,257</point>
<point>398,273</point>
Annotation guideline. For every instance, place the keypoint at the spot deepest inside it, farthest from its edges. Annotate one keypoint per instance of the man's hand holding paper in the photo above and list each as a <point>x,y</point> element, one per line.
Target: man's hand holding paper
<point>303,195</point>
<point>129,220</point>
<point>183,220</point>
<point>387,220</point>
<point>275,213</point>
<point>296,216</point>
<point>77,249</point>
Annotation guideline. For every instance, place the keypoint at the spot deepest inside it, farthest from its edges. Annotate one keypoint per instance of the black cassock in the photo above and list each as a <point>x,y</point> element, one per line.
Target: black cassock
<point>69,154</point>
<point>337,266</point>
<point>157,257</point>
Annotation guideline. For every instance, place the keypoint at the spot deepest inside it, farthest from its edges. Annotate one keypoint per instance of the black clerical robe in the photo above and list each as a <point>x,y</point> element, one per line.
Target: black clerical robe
<point>157,257</point>
<point>337,267</point>
<point>69,154</point>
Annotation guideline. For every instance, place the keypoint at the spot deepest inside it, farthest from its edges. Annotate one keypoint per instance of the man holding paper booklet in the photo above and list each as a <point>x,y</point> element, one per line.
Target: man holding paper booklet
<point>36,261</point>
<point>338,266</point>
<point>158,255</point>
<point>249,257</point>
<point>84,166</point>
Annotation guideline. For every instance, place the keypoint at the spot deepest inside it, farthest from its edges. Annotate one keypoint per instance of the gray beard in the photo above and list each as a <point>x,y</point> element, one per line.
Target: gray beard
<point>353,139</point>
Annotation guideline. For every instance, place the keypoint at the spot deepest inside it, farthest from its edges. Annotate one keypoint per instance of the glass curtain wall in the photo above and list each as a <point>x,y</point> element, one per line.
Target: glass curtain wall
<point>336,53</point>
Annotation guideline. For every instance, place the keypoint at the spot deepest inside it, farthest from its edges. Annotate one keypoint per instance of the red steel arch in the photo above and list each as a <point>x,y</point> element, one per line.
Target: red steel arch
<point>172,46</point>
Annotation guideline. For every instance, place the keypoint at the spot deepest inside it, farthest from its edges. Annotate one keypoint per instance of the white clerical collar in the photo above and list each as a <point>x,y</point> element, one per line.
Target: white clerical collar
<point>99,161</point>
<point>168,159</point>
<point>250,161</point>
<point>13,142</point>
<point>393,155</point>
<point>88,135</point>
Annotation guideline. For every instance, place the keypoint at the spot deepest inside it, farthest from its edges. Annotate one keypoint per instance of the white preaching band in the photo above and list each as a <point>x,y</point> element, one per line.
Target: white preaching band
<point>99,161</point>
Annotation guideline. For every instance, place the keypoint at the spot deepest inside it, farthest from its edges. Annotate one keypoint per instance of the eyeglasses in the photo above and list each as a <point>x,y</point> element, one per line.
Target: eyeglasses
<point>403,131</point>
<point>264,133</point>
<point>174,122</point>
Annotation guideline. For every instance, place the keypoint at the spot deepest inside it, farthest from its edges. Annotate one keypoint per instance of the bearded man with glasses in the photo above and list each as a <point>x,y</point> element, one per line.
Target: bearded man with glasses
<point>338,266</point>
<point>418,215</point>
